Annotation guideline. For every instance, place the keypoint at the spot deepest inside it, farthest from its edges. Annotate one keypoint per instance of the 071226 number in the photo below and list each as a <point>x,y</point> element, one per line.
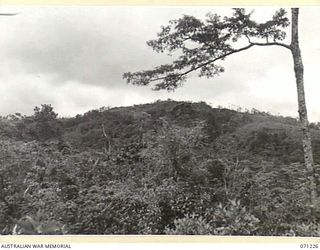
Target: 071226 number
<point>309,246</point>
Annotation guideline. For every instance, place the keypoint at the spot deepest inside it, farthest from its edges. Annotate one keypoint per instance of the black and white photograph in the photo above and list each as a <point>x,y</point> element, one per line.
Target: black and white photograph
<point>160,120</point>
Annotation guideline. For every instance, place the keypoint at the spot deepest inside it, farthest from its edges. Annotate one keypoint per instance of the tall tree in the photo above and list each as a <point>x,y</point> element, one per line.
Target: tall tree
<point>200,45</point>
<point>303,115</point>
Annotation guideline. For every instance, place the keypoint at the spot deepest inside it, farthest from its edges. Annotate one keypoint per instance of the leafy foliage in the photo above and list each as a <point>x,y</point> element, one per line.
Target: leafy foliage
<point>172,168</point>
<point>198,45</point>
<point>190,225</point>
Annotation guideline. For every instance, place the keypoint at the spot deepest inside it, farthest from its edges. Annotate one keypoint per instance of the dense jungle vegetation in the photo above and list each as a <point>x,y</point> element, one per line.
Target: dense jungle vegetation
<point>162,168</point>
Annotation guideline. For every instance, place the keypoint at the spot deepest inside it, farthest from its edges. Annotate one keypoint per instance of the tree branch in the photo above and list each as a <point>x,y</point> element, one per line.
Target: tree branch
<point>272,44</point>
<point>206,63</point>
<point>268,43</point>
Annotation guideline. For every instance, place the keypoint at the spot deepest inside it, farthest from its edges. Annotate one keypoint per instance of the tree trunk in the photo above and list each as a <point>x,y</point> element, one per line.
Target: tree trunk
<point>306,141</point>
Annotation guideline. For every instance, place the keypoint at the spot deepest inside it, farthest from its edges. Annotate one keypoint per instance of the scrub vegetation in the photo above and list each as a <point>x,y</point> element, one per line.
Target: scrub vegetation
<point>161,168</point>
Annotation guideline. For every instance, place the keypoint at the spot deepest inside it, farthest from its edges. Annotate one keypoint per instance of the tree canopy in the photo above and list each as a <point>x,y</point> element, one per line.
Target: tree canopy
<point>198,45</point>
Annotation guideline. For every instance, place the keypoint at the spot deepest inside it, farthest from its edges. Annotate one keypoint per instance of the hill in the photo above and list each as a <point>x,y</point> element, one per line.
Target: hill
<point>162,168</point>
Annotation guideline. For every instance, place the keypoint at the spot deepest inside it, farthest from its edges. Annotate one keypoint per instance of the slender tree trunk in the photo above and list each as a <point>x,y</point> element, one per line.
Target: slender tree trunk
<point>306,141</point>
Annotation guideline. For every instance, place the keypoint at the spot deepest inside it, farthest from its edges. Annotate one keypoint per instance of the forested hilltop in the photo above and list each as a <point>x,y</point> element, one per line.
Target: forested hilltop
<point>162,168</point>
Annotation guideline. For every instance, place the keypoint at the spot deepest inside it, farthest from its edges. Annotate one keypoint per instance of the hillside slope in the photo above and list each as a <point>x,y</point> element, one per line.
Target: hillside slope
<point>161,168</point>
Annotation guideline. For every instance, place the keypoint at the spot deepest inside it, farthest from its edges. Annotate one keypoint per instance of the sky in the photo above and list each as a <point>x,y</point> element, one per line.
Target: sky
<point>74,57</point>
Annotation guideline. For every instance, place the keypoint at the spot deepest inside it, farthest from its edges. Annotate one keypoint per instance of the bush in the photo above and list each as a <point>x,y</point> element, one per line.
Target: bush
<point>234,219</point>
<point>190,225</point>
<point>44,123</point>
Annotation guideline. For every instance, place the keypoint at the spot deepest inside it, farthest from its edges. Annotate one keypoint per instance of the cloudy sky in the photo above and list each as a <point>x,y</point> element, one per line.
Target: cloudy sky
<point>74,58</point>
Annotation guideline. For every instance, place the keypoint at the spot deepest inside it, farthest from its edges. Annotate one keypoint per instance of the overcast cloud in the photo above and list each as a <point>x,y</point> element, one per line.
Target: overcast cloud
<point>74,58</point>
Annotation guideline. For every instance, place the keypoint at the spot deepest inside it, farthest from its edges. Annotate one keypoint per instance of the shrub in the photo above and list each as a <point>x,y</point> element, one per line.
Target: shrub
<point>190,225</point>
<point>234,219</point>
